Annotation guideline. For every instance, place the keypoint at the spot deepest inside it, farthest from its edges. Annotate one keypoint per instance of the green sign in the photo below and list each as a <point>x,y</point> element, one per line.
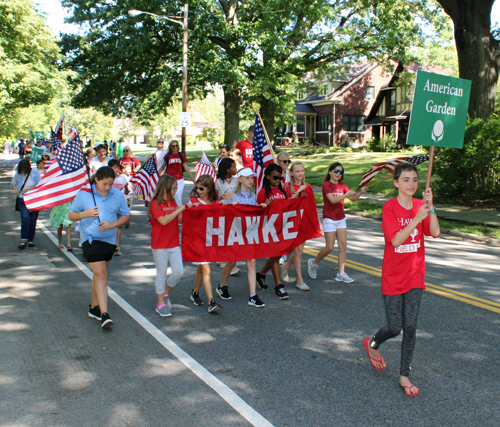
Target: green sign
<point>439,111</point>
<point>36,154</point>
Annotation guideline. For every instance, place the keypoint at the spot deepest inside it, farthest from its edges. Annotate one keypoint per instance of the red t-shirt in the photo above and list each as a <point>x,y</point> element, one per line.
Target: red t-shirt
<point>174,167</point>
<point>163,236</point>
<point>308,190</point>
<point>133,162</point>
<point>403,268</point>
<point>275,194</point>
<point>246,153</point>
<point>197,200</point>
<point>334,211</point>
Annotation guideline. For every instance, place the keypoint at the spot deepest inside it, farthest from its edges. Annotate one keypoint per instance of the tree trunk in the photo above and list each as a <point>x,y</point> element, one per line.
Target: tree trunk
<point>478,52</point>
<point>267,112</point>
<point>232,102</point>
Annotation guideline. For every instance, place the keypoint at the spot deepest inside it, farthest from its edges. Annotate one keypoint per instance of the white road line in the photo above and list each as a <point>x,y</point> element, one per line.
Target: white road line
<point>243,408</point>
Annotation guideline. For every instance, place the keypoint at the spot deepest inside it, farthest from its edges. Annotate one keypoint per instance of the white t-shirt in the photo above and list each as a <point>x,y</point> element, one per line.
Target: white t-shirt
<point>95,164</point>
<point>223,186</point>
<point>160,158</point>
<point>121,183</point>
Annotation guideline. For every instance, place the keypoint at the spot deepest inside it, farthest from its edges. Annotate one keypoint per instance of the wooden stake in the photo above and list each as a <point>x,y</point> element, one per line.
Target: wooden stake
<point>385,179</point>
<point>429,171</point>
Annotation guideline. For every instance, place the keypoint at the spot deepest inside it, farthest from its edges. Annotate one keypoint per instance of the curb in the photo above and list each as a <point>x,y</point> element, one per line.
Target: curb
<point>452,232</point>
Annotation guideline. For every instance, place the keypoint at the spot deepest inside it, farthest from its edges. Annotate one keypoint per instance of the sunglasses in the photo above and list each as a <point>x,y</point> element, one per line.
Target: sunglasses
<point>277,178</point>
<point>340,171</point>
<point>174,188</point>
<point>126,151</point>
<point>286,161</point>
<point>174,146</point>
<point>201,188</point>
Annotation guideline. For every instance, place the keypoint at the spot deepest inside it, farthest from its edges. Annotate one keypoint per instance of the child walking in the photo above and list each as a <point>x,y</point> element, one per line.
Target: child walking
<point>334,220</point>
<point>59,218</point>
<point>165,218</point>
<point>98,222</point>
<point>204,193</point>
<point>405,222</point>
<point>244,194</point>
<point>121,184</point>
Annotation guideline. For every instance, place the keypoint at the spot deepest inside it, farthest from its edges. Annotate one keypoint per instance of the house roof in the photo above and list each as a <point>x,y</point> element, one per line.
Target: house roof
<point>304,108</point>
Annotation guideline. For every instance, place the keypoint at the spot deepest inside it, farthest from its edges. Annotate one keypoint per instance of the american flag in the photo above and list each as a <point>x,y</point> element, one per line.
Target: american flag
<point>204,167</point>
<point>65,177</point>
<point>59,128</point>
<point>390,165</point>
<point>146,179</point>
<point>262,152</point>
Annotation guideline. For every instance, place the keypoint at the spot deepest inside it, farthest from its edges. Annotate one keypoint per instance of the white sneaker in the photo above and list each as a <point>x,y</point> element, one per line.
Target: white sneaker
<point>302,286</point>
<point>234,270</point>
<point>312,268</point>
<point>284,276</point>
<point>282,260</point>
<point>118,251</point>
<point>343,277</point>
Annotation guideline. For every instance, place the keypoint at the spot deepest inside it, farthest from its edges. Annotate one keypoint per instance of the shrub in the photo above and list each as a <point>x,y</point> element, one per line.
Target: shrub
<point>472,173</point>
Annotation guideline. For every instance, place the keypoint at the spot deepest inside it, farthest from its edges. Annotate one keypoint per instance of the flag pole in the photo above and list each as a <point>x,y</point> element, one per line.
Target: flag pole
<point>267,137</point>
<point>88,173</point>
<point>385,179</point>
<point>429,171</point>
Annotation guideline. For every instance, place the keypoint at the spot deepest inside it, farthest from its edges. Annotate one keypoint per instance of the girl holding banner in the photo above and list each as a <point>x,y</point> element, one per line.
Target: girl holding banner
<point>405,221</point>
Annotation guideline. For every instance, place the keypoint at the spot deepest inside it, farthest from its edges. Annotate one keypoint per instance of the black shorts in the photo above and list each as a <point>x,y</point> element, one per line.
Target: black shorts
<point>98,251</point>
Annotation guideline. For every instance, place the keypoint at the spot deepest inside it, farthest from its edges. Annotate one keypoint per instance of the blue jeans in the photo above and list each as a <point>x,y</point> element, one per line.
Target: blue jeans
<point>28,222</point>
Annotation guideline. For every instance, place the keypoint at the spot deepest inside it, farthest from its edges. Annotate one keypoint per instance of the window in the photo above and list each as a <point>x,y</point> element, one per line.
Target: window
<point>370,92</point>
<point>300,124</point>
<point>353,123</point>
<point>322,123</point>
<point>392,100</point>
<point>301,94</point>
<point>322,90</point>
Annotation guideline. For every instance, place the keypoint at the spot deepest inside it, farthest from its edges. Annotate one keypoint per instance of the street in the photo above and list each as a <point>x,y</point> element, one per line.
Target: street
<point>298,362</point>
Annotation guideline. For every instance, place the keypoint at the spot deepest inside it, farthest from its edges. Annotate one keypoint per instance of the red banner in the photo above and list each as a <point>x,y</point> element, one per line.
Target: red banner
<point>237,233</point>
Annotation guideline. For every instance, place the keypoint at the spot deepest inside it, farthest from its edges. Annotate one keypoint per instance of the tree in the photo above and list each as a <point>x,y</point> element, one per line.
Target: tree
<point>28,56</point>
<point>478,51</point>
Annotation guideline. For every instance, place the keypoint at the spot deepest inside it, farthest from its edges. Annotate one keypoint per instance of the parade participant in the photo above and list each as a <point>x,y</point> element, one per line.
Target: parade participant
<point>297,187</point>
<point>235,154</point>
<point>129,193</point>
<point>405,222</point>
<point>129,158</point>
<point>226,177</point>
<point>272,192</point>
<point>98,223</point>
<point>244,194</point>
<point>101,160</point>
<point>224,153</point>
<point>89,155</point>
<point>246,149</point>
<point>175,165</point>
<point>59,218</point>
<point>121,183</point>
<point>24,180</point>
<point>160,153</point>
<point>284,161</point>
<point>41,168</point>
<point>166,215</point>
<point>21,149</point>
<point>334,220</point>
<point>203,193</point>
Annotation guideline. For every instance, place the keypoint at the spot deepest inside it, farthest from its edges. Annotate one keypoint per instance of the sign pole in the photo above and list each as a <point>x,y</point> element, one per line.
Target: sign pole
<point>429,171</point>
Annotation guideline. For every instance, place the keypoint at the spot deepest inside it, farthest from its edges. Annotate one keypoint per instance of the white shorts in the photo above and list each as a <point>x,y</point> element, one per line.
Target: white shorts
<point>199,263</point>
<point>330,225</point>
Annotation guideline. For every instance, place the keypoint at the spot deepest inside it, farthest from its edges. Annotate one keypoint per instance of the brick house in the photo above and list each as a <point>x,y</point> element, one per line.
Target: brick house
<point>333,111</point>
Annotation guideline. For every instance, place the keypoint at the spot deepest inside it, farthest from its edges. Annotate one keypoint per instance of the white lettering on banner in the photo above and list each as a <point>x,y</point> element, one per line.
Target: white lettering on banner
<point>301,213</point>
<point>286,225</point>
<point>268,229</point>
<point>440,109</point>
<point>211,231</point>
<point>236,233</point>
<point>412,247</point>
<point>252,233</point>
<point>444,89</point>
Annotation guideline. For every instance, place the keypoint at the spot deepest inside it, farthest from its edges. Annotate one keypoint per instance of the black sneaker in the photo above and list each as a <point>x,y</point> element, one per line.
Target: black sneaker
<point>95,313</point>
<point>261,281</point>
<point>281,292</point>
<point>256,301</point>
<point>223,292</point>
<point>213,306</point>
<point>106,321</point>
<point>195,297</point>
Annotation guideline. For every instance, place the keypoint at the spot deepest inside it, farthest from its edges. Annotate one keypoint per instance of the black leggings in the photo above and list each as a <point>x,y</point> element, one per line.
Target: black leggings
<point>401,312</point>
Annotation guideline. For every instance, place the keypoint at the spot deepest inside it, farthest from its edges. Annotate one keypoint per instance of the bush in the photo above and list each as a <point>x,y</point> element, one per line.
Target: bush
<point>472,173</point>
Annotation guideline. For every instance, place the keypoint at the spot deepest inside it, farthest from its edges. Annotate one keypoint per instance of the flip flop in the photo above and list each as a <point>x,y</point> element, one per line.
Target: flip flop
<point>407,390</point>
<point>69,249</point>
<point>366,342</point>
<point>60,247</point>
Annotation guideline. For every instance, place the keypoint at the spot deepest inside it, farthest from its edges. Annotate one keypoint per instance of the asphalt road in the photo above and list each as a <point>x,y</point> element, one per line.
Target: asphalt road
<point>299,362</point>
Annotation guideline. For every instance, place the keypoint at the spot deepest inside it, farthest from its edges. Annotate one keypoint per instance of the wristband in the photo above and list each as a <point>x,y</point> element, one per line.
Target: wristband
<point>81,217</point>
<point>178,211</point>
<point>433,210</point>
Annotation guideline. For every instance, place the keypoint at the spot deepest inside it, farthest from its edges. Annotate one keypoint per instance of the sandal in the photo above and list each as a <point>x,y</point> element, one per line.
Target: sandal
<point>22,245</point>
<point>366,343</point>
<point>31,244</point>
<point>407,390</point>
<point>60,247</point>
<point>69,249</point>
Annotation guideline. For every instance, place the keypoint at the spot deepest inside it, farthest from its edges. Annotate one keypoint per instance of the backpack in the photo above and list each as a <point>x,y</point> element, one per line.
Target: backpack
<point>181,155</point>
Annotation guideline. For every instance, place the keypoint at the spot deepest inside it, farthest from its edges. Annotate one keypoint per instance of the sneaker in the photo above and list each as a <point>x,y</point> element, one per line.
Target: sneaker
<point>222,264</point>
<point>312,268</point>
<point>167,301</point>
<point>256,301</point>
<point>282,260</point>
<point>284,276</point>
<point>106,321</point>
<point>94,313</point>
<point>343,277</point>
<point>149,220</point>
<point>213,306</point>
<point>163,311</point>
<point>195,297</point>
<point>280,291</point>
<point>302,287</point>
<point>127,225</point>
<point>261,280</point>
<point>118,251</point>
<point>234,270</point>
<point>223,292</point>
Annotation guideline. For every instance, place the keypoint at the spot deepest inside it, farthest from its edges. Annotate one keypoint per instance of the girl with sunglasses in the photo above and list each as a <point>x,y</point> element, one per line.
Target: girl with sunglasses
<point>334,220</point>
<point>129,159</point>
<point>165,218</point>
<point>204,193</point>
<point>272,192</point>
<point>284,161</point>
